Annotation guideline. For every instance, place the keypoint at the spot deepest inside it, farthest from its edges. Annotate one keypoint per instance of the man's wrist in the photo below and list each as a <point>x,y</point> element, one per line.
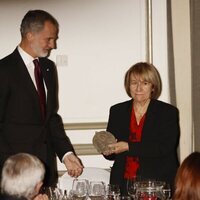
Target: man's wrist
<point>66,154</point>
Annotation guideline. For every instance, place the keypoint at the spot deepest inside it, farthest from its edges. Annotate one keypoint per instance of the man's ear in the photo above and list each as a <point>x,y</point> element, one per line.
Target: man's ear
<point>38,186</point>
<point>29,36</point>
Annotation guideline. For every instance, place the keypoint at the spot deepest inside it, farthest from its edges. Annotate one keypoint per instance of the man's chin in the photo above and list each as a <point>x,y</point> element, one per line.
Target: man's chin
<point>44,55</point>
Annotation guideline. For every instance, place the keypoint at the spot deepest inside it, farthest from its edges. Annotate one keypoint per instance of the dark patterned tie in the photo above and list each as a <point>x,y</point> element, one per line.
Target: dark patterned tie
<point>40,87</point>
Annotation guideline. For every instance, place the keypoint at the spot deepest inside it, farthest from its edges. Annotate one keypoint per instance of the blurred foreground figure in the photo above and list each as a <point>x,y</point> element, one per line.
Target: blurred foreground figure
<point>187,182</point>
<point>22,178</point>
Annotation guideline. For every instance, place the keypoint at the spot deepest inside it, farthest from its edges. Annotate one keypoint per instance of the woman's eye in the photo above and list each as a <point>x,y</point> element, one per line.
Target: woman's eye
<point>134,83</point>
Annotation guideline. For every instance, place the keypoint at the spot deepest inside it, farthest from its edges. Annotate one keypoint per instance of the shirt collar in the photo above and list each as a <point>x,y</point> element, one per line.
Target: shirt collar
<point>25,56</point>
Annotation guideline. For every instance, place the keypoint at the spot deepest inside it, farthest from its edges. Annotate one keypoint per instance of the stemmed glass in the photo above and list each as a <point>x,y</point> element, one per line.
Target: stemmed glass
<point>96,190</point>
<point>132,186</point>
<point>80,189</point>
<point>53,193</point>
<point>112,192</point>
<point>167,191</point>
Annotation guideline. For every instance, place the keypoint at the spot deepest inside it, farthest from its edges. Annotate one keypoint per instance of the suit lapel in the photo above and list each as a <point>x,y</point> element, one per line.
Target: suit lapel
<point>150,118</point>
<point>29,86</point>
<point>25,74</point>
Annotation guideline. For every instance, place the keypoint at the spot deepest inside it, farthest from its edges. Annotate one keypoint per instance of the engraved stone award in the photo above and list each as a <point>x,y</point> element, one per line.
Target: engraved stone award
<point>102,139</point>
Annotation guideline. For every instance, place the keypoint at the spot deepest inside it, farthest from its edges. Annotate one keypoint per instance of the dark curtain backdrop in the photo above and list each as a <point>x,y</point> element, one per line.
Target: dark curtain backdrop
<point>195,56</point>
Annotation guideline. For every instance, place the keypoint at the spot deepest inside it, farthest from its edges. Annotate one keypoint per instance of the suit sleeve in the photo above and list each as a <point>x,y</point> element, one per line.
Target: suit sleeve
<point>111,128</point>
<point>59,139</point>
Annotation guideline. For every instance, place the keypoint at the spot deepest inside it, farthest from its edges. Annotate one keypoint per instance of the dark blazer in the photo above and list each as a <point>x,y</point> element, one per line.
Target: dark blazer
<point>10,197</point>
<point>21,126</point>
<point>157,150</point>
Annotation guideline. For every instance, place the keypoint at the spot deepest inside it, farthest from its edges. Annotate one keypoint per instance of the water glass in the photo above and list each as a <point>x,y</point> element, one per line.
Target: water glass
<point>96,190</point>
<point>80,189</point>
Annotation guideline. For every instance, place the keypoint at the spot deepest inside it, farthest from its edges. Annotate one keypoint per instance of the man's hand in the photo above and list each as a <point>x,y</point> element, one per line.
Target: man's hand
<point>73,165</point>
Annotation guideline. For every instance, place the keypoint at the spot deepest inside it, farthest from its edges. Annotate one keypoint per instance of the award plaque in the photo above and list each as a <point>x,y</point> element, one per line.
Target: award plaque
<point>102,139</point>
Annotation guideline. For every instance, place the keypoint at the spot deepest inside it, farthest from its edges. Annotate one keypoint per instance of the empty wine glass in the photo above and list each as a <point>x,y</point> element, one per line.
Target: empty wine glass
<point>132,186</point>
<point>112,192</point>
<point>167,191</point>
<point>53,193</point>
<point>125,197</point>
<point>80,189</point>
<point>64,196</point>
<point>96,190</point>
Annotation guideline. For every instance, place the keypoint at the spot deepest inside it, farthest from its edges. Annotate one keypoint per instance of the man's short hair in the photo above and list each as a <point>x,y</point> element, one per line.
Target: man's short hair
<point>20,174</point>
<point>34,21</point>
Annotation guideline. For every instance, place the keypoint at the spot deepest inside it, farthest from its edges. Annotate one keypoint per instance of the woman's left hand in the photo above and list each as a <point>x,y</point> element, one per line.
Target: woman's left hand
<point>116,148</point>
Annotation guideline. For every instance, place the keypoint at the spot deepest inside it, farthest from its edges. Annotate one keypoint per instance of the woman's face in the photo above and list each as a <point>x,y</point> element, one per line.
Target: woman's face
<point>140,89</point>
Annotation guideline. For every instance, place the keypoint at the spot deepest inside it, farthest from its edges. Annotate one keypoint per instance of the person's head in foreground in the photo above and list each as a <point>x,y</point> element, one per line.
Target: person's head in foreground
<point>22,176</point>
<point>187,181</point>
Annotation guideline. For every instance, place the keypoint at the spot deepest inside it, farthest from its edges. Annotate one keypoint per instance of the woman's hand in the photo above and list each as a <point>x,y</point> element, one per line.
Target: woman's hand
<point>116,148</point>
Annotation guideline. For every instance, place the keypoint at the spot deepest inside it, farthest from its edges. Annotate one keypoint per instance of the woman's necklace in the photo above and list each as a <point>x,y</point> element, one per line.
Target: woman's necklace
<point>140,109</point>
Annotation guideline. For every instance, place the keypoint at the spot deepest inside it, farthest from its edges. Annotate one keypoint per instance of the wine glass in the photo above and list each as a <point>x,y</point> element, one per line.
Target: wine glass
<point>64,196</point>
<point>132,186</point>
<point>125,197</point>
<point>53,193</point>
<point>80,189</point>
<point>112,191</point>
<point>96,190</point>
<point>167,191</point>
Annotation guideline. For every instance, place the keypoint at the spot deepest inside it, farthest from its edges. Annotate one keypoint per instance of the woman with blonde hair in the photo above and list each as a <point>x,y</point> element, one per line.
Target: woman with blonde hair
<point>146,130</point>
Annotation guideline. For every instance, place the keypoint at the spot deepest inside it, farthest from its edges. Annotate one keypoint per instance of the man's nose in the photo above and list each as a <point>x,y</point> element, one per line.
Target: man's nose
<point>52,45</point>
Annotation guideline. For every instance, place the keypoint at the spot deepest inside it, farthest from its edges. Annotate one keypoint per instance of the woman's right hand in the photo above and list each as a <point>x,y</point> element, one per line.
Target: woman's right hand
<point>116,148</point>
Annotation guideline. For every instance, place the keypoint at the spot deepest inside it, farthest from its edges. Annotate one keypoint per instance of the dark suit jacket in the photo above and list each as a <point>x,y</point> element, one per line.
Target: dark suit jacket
<point>21,126</point>
<point>10,197</point>
<point>157,150</point>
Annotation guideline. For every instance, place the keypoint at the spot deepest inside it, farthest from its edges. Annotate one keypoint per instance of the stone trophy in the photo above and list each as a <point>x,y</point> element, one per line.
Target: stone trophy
<point>102,139</point>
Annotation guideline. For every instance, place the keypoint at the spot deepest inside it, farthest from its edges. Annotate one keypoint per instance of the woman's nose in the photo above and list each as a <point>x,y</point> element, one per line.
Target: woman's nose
<point>138,86</point>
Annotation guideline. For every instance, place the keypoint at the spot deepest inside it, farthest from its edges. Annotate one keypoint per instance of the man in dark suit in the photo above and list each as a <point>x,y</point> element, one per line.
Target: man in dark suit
<point>25,124</point>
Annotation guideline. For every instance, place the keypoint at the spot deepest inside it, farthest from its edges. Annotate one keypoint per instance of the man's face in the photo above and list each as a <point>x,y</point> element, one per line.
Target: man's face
<point>43,42</point>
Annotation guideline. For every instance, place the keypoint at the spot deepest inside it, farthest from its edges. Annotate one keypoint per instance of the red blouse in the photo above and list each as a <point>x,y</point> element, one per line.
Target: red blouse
<point>132,163</point>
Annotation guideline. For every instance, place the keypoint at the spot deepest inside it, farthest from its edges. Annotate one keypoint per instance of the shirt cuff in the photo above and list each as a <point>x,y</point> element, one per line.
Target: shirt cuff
<point>66,154</point>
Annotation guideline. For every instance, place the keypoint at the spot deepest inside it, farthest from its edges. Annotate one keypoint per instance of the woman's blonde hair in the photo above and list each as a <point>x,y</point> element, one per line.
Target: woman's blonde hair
<point>148,73</point>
